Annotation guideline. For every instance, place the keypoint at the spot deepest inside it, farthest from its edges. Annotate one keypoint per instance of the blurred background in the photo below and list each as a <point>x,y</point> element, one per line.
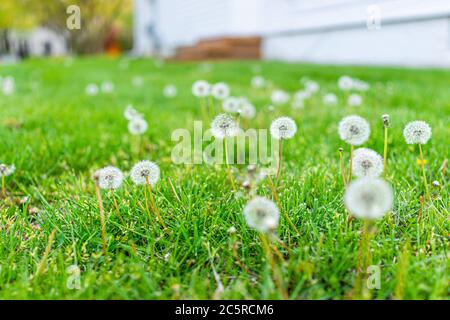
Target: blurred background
<point>369,32</point>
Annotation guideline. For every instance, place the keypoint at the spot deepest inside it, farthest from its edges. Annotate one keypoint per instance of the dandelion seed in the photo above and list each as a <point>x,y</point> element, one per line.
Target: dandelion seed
<point>367,163</point>
<point>92,89</point>
<point>131,113</point>
<point>231,230</point>
<point>258,82</point>
<point>8,86</point>
<point>231,105</point>
<point>109,178</point>
<point>311,86</point>
<point>247,110</point>
<point>283,128</point>
<point>279,97</point>
<point>354,130</point>
<point>201,88</point>
<point>107,87</point>
<point>224,126</point>
<point>369,198</point>
<point>7,170</point>
<point>144,171</point>
<point>220,91</point>
<point>330,99</point>
<point>345,83</point>
<point>417,132</point>
<point>354,100</point>
<point>137,126</point>
<point>262,214</point>
<point>170,91</point>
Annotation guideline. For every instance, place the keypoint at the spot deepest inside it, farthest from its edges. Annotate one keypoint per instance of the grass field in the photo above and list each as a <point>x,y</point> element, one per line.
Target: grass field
<point>57,136</point>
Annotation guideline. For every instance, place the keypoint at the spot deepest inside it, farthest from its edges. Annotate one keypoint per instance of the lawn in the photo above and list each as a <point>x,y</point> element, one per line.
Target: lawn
<point>57,136</point>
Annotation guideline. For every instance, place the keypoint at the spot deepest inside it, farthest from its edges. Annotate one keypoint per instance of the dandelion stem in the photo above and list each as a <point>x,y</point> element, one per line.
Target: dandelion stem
<point>277,200</point>
<point>230,176</point>
<point>351,164</point>
<point>385,150</point>
<point>280,158</point>
<point>155,207</point>
<point>102,217</point>
<point>3,186</point>
<point>278,279</point>
<point>423,173</point>
<point>341,159</point>
<point>116,205</point>
<point>173,190</point>
<point>363,258</point>
<point>41,266</point>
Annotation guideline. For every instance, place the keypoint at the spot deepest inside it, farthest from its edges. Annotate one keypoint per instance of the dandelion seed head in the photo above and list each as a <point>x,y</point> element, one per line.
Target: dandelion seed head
<point>224,126</point>
<point>369,198</point>
<point>354,100</point>
<point>131,113</point>
<point>436,183</point>
<point>107,87</point>
<point>220,91</point>
<point>311,86</point>
<point>354,130</point>
<point>367,163</point>
<point>262,214</point>
<point>330,99</point>
<point>248,110</point>
<point>345,83</point>
<point>279,97</point>
<point>7,170</point>
<point>170,91</point>
<point>137,126</point>
<point>92,89</point>
<point>231,104</point>
<point>232,230</point>
<point>258,82</point>
<point>143,171</point>
<point>109,178</point>
<point>283,128</point>
<point>417,132</point>
<point>201,88</point>
<point>8,85</point>
<point>385,118</point>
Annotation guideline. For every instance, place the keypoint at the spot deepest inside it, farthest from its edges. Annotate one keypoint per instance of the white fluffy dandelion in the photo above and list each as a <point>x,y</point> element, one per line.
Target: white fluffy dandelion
<point>8,86</point>
<point>7,170</point>
<point>279,97</point>
<point>220,91</point>
<point>311,86</point>
<point>137,126</point>
<point>201,88</point>
<point>262,214</point>
<point>302,95</point>
<point>258,82</point>
<point>417,132</point>
<point>131,113</point>
<point>107,87</point>
<point>170,91</point>
<point>354,100</point>
<point>109,178</point>
<point>367,163</point>
<point>360,85</point>
<point>345,83</point>
<point>354,130</point>
<point>283,128</point>
<point>92,89</point>
<point>369,198</point>
<point>330,99</point>
<point>224,126</point>
<point>247,110</point>
<point>145,171</point>
<point>231,104</point>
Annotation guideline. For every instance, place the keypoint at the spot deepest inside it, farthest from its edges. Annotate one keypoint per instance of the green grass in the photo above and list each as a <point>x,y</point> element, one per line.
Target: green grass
<point>57,137</point>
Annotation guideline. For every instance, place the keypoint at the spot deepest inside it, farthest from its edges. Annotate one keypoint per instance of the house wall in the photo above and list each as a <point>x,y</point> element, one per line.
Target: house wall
<point>412,32</point>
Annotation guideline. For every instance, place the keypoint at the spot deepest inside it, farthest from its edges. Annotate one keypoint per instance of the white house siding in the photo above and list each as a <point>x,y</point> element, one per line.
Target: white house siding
<point>413,32</point>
